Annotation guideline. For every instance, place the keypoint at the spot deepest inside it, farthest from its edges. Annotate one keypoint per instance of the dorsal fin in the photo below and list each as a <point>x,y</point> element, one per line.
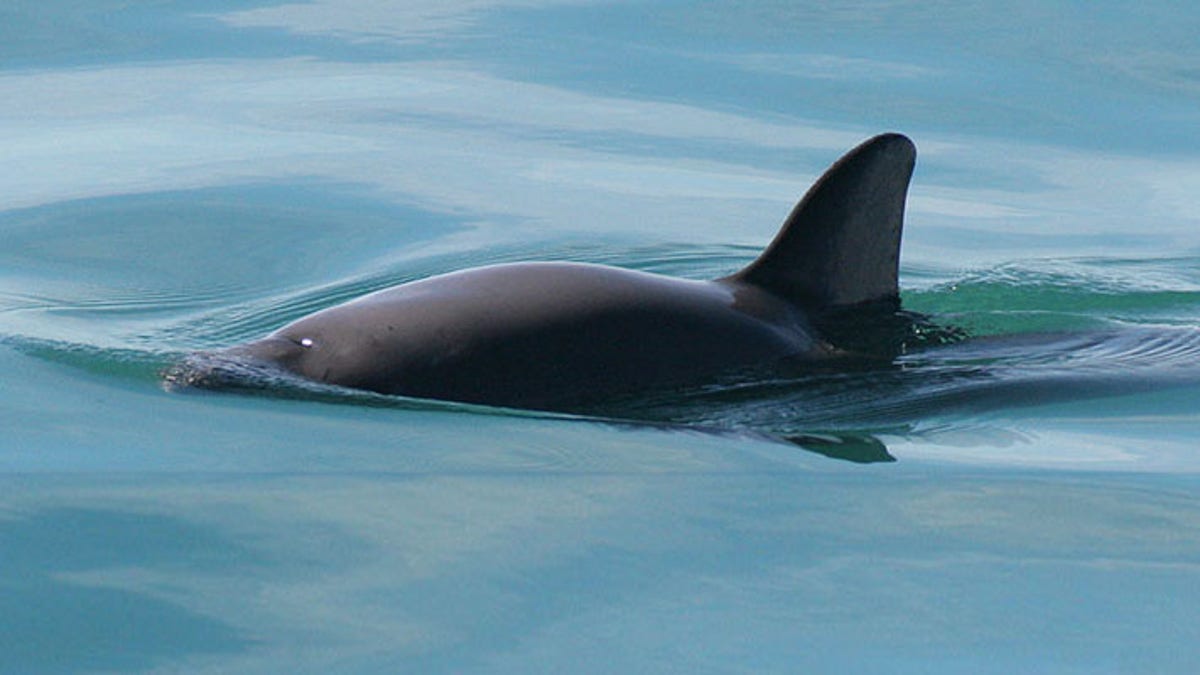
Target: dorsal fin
<point>841,244</point>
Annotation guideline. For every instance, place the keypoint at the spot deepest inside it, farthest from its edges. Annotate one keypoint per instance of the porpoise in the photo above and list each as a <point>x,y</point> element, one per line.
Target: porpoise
<point>563,335</point>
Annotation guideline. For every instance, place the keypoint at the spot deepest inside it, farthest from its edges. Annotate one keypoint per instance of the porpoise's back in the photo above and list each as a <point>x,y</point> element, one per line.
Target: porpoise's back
<point>541,335</point>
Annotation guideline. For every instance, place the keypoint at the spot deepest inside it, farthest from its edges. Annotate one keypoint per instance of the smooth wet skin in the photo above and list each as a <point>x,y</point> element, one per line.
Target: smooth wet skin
<point>557,336</point>
<point>474,335</point>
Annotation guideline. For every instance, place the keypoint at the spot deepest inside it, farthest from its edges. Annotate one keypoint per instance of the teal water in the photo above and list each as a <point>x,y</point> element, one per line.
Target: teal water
<point>183,176</point>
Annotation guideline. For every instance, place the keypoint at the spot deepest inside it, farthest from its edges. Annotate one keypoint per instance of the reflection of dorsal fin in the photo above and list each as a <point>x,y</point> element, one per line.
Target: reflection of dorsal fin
<point>841,244</point>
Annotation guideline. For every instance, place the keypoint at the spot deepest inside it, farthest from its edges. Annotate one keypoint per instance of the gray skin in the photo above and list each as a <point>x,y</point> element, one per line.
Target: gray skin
<point>556,336</point>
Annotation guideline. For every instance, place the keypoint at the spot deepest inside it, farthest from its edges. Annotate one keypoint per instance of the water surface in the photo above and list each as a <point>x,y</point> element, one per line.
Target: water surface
<point>184,176</point>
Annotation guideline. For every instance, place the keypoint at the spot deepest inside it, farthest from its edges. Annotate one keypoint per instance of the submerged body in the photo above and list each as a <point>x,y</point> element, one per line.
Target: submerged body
<point>557,336</point>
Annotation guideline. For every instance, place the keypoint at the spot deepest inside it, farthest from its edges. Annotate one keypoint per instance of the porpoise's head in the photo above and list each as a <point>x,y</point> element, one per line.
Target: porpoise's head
<point>299,350</point>
<point>254,365</point>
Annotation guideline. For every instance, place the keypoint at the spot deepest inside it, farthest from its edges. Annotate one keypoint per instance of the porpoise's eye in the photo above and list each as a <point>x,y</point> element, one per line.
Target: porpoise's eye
<point>307,343</point>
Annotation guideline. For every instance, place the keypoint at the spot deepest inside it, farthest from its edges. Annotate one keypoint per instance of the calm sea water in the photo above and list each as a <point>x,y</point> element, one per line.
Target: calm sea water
<point>183,175</point>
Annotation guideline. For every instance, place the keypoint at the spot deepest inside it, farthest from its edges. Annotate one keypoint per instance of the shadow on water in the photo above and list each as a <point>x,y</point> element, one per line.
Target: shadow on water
<point>840,412</point>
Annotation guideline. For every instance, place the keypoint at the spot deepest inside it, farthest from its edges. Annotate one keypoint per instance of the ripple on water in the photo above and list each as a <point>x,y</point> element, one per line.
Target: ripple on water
<point>1045,331</point>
